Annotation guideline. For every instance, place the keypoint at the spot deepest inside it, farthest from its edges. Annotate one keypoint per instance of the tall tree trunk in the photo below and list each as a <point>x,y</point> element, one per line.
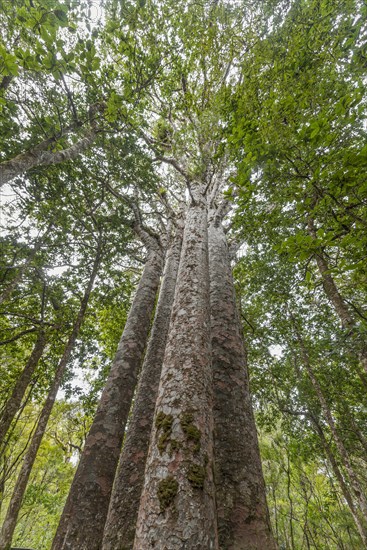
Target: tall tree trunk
<point>18,277</point>
<point>332,292</point>
<point>124,504</point>
<point>25,471</point>
<point>82,522</point>
<point>354,480</point>
<point>14,401</point>
<point>177,507</point>
<point>40,155</point>
<point>243,518</point>
<point>342,483</point>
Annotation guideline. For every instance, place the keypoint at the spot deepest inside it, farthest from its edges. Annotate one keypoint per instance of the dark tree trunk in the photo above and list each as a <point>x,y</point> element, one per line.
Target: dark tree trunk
<point>177,507</point>
<point>82,522</point>
<point>243,518</point>
<point>12,405</point>
<point>124,504</point>
<point>25,471</point>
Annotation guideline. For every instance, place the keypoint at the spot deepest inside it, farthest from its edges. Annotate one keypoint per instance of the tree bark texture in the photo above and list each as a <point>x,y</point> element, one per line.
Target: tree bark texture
<point>83,519</point>
<point>124,504</point>
<point>41,156</point>
<point>243,518</point>
<point>26,468</point>
<point>177,507</point>
<point>14,401</point>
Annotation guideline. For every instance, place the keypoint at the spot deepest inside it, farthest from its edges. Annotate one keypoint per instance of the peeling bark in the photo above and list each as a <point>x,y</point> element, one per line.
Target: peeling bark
<point>177,507</point>
<point>26,469</point>
<point>124,504</point>
<point>82,522</point>
<point>243,518</point>
<point>14,401</point>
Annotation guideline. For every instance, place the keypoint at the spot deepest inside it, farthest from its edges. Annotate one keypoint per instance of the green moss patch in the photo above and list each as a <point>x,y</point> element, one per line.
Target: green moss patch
<point>163,423</point>
<point>192,433</point>
<point>175,446</point>
<point>196,474</point>
<point>167,490</point>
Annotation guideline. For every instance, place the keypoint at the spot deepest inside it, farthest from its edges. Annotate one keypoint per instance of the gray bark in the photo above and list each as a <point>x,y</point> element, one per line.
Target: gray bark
<point>243,518</point>
<point>177,507</point>
<point>124,504</point>
<point>82,522</point>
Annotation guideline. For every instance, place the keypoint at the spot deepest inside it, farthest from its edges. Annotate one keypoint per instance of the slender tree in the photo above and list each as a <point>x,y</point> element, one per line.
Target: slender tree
<point>13,403</point>
<point>30,457</point>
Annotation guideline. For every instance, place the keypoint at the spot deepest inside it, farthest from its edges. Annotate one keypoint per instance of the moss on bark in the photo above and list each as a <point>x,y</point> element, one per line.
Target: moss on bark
<point>192,433</point>
<point>167,490</point>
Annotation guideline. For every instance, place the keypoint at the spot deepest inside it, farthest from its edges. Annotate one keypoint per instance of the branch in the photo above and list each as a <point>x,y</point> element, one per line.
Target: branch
<point>17,336</point>
<point>147,235</point>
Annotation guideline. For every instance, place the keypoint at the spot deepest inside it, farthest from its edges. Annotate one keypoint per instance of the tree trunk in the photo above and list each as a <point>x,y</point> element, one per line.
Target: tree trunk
<point>332,292</point>
<point>354,480</point>
<point>342,483</point>
<point>243,518</point>
<point>26,468</point>
<point>14,401</point>
<point>124,504</point>
<point>82,522</point>
<point>177,508</point>
<point>41,156</point>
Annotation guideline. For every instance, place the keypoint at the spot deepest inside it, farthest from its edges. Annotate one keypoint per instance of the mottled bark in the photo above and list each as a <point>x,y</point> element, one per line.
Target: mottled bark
<point>82,522</point>
<point>25,471</point>
<point>243,518</point>
<point>177,507</point>
<point>40,155</point>
<point>340,306</point>
<point>14,401</point>
<point>124,504</point>
<point>18,277</point>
